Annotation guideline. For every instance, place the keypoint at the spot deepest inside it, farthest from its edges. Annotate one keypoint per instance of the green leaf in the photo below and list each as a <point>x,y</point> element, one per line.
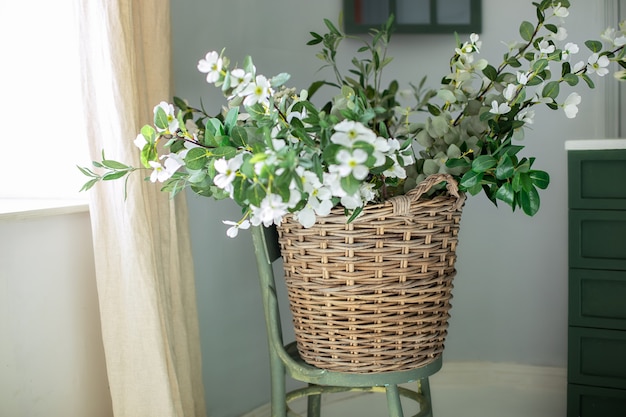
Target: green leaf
<point>552,28</point>
<point>588,80</point>
<point>223,152</point>
<point>350,184</point>
<point>540,179</point>
<point>214,126</point>
<point>551,90</point>
<point>505,193</point>
<point>530,201</point>
<point>230,121</point>
<point>160,119</point>
<point>149,153</point>
<point>86,171</point>
<point>114,164</point>
<point>490,72</point>
<point>279,80</point>
<point>594,46</point>
<point>540,65</point>
<point>331,27</point>
<point>526,31</point>
<point>355,214</point>
<point>180,103</point>
<point>148,133</point>
<point>483,163</point>
<point>457,162</point>
<point>89,184</point>
<point>196,158</point>
<point>255,193</point>
<point>114,175</point>
<point>471,179</point>
<point>239,136</point>
<point>248,65</point>
<point>505,168</point>
<point>571,79</point>
<point>316,39</point>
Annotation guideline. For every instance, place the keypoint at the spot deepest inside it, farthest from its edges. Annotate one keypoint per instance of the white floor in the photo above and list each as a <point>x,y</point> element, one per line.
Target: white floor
<point>465,390</point>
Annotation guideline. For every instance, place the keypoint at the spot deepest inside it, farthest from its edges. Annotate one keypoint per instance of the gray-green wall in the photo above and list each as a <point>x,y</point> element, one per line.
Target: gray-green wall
<point>510,297</point>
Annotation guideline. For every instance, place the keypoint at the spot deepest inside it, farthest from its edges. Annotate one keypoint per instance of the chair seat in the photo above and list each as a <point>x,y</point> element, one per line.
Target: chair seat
<point>313,375</point>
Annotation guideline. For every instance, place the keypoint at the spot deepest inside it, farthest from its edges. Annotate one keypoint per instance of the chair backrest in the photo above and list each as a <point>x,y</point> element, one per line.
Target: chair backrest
<point>267,250</point>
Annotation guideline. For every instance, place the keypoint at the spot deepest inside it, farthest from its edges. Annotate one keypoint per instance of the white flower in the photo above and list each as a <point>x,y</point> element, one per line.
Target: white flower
<point>474,39</point>
<point>560,35</point>
<point>172,121</point>
<point>396,170</point>
<point>381,147</point>
<point>546,47</point>
<point>347,132</point>
<point>172,162</point>
<point>561,11</point>
<point>318,204</point>
<point>239,76</point>
<point>140,141</point>
<point>239,80</point>
<point>570,105</point>
<point>233,231</point>
<point>159,173</point>
<point>162,173</point>
<point>616,38</point>
<point>570,49</point>
<point>598,64</point>
<point>306,217</point>
<point>257,92</point>
<point>352,163</point>
<point>620,75</point>
<point>227,172</point>
<point>352,201</point>
<point>212,66</point>
<point>367,192</point>
<point>527,116</point>
<point>270,212</point>
<point>522,77</point>
<point>578,67</point>
<point>499,109</point>
<point>509,92</point>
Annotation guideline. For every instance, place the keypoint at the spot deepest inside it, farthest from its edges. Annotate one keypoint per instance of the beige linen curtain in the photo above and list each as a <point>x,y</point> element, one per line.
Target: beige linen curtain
<point>143,257</point>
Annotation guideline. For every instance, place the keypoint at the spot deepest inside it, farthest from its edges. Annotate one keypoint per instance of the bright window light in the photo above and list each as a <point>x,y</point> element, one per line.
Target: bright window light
<point>43,136</point>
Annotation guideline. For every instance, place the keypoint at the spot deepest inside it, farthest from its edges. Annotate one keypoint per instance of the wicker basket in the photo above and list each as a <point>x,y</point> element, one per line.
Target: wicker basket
<point>373,295</point>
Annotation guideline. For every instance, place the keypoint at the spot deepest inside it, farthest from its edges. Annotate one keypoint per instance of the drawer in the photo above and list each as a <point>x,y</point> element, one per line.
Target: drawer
<point>585,401</point>
<point>597,239</point>
<point>597,357</point>
<point>597,298</point>
<point>595,179</point>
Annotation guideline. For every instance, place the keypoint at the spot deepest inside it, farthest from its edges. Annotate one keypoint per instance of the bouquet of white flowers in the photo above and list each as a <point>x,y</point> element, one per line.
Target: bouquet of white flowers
<point>273,151</point>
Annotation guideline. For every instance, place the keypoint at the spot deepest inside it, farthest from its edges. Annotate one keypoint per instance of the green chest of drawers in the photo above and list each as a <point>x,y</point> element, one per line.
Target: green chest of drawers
<point>597,283</point>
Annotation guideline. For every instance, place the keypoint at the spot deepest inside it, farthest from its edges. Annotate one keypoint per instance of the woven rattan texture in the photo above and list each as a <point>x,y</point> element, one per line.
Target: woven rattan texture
<point>373,295</point>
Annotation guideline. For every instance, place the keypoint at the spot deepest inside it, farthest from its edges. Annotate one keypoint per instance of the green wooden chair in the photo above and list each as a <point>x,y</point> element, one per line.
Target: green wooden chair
<point>284,360</point>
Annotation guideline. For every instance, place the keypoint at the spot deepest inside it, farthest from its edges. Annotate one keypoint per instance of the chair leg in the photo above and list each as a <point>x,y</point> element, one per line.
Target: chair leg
<point>394,406</point>
<point>423,387</point>
<point>314,405</point>
<point>278,395</point>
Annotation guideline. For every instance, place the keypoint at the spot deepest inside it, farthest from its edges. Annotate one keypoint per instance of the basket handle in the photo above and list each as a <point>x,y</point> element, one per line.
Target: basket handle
<point>402,204</point>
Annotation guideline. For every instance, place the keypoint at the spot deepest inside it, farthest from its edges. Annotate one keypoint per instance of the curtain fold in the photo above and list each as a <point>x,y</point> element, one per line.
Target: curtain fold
<point>142,249</point>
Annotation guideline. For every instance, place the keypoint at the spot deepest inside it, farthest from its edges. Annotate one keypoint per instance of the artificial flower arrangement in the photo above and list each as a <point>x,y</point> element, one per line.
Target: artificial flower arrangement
<point>273,151</point>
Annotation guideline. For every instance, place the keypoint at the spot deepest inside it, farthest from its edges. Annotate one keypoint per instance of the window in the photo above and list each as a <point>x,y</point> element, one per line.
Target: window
<point>414,16</point>
<point>43,133</point>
